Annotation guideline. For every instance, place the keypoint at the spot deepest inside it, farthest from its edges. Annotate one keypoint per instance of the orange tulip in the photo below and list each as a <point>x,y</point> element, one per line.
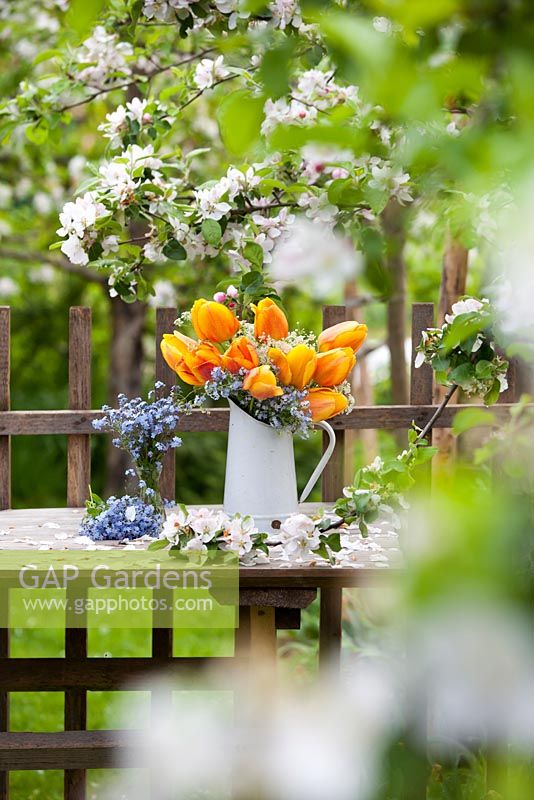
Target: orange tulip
<point>213,321</point>
<point>344,334</point>
<point>302,360</point>
<point>270,321</point>
<point>172,350</point>
<point>261,383</point>
<point>241,353</point>
<point>193,362</point>
<point>325,403</point>
<point>333,366</point>
<point>281,363</point>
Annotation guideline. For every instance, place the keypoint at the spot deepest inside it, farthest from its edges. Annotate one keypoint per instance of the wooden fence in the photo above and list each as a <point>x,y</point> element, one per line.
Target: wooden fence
<point>77,674</point>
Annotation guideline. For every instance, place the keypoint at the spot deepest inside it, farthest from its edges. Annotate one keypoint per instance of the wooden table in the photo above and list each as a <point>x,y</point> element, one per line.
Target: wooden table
<point>271,597</point>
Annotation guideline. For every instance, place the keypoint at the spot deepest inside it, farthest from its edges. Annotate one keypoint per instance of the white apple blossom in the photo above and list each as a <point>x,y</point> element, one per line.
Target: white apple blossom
<point>8,287</point>
<point>110,244</point>
<point>238,535</point>
<point>312,255</point>
<point>282,112</point>
<point>209,71</point>
<point>105,55</point>
<point>165,295</point>
<point>299,536</point>
<point>74,251</point>
<point>319,160</point>
<point>466,306</point>
<point>77,217</point>
<point>385,177</point>
<point>286,13</point>
<point>165,10</point>
<point>209,203</point>
<point>317,86</point>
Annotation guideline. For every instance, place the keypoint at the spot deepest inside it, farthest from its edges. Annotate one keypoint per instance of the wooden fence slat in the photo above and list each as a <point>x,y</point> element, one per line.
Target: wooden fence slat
<point>79,445</point>
<point>76,751</point>
<point>5,442</point>
<point>97,674</point>
<point>75,702</point>
<point>162,638</point>
<point>332,488</point>
<point>78,480</point>
<point>36,423</point>
<point>5,502</point>
<point>422,378</point>
<point>165,318</point>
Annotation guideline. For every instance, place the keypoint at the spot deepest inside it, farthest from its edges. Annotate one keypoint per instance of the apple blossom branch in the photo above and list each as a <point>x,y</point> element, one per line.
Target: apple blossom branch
<point>138,80</point>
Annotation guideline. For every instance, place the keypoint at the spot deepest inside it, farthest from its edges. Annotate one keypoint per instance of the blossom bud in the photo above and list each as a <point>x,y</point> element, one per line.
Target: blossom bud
<point>219,297</point>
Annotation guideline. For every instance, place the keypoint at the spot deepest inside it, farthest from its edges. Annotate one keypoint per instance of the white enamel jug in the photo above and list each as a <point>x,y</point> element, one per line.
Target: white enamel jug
<point>260,470</point>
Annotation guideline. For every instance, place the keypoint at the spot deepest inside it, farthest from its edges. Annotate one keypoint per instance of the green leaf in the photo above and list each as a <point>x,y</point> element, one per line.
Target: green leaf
<point>484,369</point>
<point>174,250</point>
<point>240,115</point>
<point>159,544</point>
<point>492,396</point>
<point>38,132</point>
<point>55,245</point>
<point>424,454</point>
<point>82,15</point>
<point>211,231</point>
<point>471,418</point>
<point>45,55</point>
<point>463,375</point>
<point>253,252</point>
<point>275,67</point>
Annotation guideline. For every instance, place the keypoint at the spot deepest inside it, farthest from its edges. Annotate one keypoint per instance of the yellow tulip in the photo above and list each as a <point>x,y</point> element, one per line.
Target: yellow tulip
<point>326,403</point>
<point>213,321</point>
<point>172,350</point>
<point>344,334</point>
<point>270,321</point>
<point>302,360</point>
<point>333,366</point>
<point>240,354</point>
<point>261,383</point>
<point>279,359</point>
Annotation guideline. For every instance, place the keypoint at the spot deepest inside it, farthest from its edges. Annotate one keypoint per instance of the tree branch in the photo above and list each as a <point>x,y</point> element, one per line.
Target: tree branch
<point>138,80</point>
<point>437,413</point>
<point>34,257</point>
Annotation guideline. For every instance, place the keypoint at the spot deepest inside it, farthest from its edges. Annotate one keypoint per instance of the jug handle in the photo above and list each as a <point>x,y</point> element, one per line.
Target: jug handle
<point>318,471</point>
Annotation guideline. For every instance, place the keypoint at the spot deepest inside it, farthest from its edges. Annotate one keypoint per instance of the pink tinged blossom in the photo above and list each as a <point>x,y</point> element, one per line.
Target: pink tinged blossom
<point>219,297</point>
<point>232,291</point>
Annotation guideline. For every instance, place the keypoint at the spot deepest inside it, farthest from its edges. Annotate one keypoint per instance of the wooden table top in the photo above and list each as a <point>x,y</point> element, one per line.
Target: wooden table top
<point>373,560</point>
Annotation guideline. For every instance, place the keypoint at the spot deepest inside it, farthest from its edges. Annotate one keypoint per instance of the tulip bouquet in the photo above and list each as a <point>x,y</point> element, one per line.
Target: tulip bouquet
<point>246,352</point>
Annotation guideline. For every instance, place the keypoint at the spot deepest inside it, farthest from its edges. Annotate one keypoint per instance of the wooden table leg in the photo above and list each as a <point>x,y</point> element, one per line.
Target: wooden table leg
<point>330,629</point>
<point>242,633</point>
<point>263,634</point>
